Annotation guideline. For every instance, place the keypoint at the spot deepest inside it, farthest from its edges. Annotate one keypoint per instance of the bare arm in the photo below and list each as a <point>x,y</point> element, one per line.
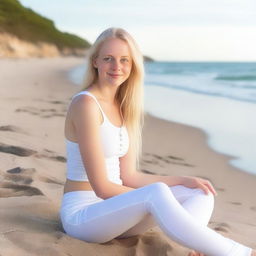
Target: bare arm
<point>140,179</point>
<point>86,119</point>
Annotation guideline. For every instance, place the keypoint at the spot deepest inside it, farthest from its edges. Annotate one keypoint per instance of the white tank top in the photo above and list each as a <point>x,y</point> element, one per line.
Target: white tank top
<point>115,144</point>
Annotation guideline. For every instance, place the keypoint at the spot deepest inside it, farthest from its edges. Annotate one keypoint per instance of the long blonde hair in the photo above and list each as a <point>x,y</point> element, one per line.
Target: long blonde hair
<point>130,94</point>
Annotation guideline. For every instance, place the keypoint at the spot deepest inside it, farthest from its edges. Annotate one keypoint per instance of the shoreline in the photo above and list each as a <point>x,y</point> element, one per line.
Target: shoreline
<point>206,136</point>
<point>33,106</point>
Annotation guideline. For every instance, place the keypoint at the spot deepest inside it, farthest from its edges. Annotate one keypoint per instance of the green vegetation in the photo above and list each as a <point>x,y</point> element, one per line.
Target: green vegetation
<point>30,26</point>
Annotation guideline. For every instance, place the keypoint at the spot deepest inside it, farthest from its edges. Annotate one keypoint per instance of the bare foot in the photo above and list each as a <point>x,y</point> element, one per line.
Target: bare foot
<point>253,252</point>
<point>194,253</point>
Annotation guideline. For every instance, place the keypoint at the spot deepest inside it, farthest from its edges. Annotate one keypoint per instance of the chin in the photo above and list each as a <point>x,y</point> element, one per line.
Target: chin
<point>116,83</point>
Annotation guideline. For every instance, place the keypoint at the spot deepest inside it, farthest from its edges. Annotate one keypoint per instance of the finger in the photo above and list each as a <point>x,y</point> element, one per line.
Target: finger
<point>211,188</point>
<point>204,188</point>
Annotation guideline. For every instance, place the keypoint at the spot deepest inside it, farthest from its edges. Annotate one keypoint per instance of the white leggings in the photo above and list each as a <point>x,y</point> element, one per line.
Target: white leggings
<point>182,213</point>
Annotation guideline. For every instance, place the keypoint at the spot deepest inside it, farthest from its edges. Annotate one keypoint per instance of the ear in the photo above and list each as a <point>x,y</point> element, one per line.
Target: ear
<point>94,62</point>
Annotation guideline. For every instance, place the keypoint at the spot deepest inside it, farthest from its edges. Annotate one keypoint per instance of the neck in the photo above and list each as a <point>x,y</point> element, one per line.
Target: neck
<point>106,93</point>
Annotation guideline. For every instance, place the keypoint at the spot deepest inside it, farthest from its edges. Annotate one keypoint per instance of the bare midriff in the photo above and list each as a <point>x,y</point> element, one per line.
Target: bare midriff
<point>72,185</point>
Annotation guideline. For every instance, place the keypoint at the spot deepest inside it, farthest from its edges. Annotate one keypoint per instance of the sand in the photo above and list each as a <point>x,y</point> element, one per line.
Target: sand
<point>34,95</point>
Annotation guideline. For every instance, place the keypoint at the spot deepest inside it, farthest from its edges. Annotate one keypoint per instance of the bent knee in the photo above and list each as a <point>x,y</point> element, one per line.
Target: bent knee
<point>160,186</point>
<point>207,197</point>
<point>159,189</point>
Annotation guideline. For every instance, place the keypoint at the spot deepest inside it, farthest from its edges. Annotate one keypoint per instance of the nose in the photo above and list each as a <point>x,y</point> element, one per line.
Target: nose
<point>115,65</point>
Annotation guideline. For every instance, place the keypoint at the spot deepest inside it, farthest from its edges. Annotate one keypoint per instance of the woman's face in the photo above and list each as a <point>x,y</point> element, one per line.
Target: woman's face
<point>114,62</point>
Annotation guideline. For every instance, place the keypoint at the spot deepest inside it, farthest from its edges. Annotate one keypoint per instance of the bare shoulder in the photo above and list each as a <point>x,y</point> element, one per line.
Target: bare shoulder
<point>83,108</point>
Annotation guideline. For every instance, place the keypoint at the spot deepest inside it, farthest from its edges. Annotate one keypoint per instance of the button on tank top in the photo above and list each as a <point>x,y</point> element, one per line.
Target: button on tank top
<point>115,144</point>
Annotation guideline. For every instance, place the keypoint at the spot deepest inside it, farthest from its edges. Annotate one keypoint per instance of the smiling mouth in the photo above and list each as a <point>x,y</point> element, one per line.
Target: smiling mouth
<point>114,75</point>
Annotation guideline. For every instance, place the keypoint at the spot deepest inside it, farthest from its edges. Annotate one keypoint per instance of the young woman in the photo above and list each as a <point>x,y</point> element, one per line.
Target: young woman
<point>105,197</point>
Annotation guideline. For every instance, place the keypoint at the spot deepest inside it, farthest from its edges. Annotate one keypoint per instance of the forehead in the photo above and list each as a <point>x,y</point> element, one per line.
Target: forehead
<point>114,47</point>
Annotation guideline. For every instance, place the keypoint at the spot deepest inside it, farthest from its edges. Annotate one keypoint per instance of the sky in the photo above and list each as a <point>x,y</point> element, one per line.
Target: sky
<point>166,30</point>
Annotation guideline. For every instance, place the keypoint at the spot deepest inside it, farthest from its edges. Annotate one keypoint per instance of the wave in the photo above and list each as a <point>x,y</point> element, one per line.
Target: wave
<point>244,96</point>
<point>237,78</point>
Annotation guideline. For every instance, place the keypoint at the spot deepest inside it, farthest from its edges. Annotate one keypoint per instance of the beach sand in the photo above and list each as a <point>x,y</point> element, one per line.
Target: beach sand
<point>34,96</point>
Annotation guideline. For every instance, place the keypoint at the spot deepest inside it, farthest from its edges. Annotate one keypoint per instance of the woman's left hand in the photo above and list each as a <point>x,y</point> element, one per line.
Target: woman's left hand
<point>195,182</point>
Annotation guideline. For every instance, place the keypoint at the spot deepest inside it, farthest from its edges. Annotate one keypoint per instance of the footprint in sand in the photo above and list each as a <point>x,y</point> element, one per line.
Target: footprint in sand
<point>48,110</point>
<point>51,155</point>
<point>51,180</point>
<point>25,176</point>
<point>146,171</point>
<point>253,208</point>
<point>152,243</point>
<point>20,175</point>
<point>235,203</point>
<point>30,110</point>
<point>56,102</point>
<point>16,183</point>
<point>20,151</point>
<point>221,189</point>
<point>223,227</point>
<point>11,128</point>
<point>44,112</point>
<point>150,161</point>
<point>52,115</point>
<point>9,189</point>
<point>175,158</point>
<point>166,159</point>
<point>15,150</point>
<point>61,112</point>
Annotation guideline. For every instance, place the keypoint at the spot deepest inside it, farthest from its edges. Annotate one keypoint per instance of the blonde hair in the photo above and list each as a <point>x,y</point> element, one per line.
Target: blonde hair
<point>130,94</point>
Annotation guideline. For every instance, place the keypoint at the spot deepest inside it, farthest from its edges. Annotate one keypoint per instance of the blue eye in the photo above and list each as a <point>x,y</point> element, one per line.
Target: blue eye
<point>107,58</point>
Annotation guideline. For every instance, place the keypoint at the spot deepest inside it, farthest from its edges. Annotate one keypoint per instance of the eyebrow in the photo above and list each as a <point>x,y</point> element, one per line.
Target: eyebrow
<point>113,56</point>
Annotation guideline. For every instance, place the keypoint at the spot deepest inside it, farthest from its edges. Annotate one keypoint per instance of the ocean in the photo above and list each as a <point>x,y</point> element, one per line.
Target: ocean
<point>217,97</point>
